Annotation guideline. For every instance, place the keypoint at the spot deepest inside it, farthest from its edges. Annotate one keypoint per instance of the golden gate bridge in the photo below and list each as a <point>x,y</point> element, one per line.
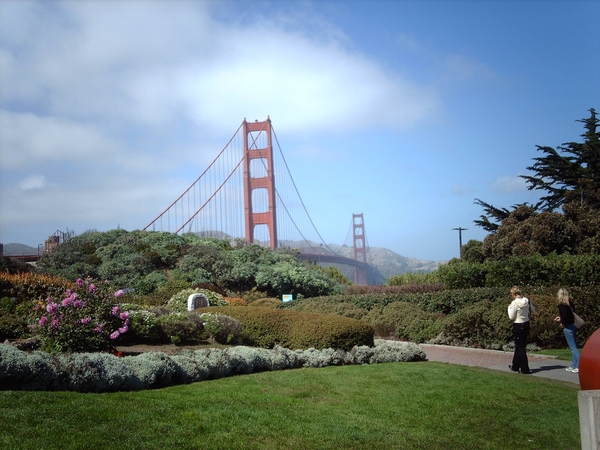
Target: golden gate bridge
<point>237,197</point>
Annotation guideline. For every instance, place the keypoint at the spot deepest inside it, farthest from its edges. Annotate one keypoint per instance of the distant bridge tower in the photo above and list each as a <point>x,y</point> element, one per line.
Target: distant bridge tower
<point>258,156</point>
<point>360,254</point>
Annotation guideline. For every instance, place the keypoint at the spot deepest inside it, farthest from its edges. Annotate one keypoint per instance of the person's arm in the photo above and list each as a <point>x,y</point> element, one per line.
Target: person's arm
<point>512,311</point>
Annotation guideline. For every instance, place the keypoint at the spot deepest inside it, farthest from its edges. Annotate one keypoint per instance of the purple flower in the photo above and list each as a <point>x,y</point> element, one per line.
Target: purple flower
<point>99,328</point>
<point>124,315</point>
<point>78,304</point>
<point>115,311</point>
<point>119,293</point>
<point>43,320</point>
<point>114,335</point>
<point>52,308</point>
<point>79,282</point>
<point>124,329</point>
<point>54,324</point>
<point>93,289</point>
<point>67,301</point>
<point>86,320</point>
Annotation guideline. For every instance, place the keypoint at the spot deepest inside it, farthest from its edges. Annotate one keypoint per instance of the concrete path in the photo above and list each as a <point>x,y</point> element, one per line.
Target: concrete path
<point>540,366</point>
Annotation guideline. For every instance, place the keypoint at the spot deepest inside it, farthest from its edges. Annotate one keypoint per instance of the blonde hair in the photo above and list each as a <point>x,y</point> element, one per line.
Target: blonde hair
<point>563,297</point>
<point>515,291</point>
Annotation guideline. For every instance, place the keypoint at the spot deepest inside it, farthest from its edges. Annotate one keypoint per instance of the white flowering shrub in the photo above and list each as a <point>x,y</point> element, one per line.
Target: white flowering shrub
<point>104,372</point>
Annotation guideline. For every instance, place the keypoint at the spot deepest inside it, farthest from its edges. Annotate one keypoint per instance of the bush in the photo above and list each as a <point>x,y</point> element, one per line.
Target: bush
<point>12,326</point>
<point>405,321</point>
<point>223,329</point>
<point>87,319</point>
<point>267,303</point>
<point>266,327</point>
<point>31,287</point>
<point>103,372</point>
<point>180,328</point>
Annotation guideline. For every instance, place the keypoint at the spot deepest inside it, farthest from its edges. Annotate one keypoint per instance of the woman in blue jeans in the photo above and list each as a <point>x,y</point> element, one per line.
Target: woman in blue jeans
<point>567,321</point>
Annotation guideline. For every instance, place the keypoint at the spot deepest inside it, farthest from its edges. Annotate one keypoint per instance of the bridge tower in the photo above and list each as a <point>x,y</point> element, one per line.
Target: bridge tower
<point>258,155</point>
<point>360,254</point>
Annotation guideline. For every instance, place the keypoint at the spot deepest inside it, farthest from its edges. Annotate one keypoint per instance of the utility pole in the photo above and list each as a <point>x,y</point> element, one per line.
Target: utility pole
<point>460,230</point>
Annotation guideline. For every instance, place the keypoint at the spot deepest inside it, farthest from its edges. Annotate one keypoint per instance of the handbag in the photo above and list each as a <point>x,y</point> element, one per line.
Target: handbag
<point>579,322</point>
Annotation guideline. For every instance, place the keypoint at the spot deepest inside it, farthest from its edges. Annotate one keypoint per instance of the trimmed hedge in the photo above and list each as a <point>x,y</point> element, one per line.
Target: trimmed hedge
<point>267,327</point>
<point>553,270</point>
<point>104,372</point>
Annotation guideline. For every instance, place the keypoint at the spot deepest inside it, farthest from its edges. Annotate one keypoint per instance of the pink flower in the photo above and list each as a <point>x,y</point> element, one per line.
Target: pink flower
<point>114,335</point>
<point>99,328</point>
<point>54,324</point>
<point>79,282</point>
<point>43,320</point>
<point>52,308</point>
<point>124,315</point>
<point>115,311</point>
<point>67,301</point>
<point>119,293</point>
<point>93,288</point>
<point>86,320</point>
<point>124,329</point>
<point>78,304</point>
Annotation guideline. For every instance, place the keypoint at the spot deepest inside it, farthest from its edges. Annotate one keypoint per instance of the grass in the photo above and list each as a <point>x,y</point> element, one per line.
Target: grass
<point>560,353</point>
<point>425,405</point>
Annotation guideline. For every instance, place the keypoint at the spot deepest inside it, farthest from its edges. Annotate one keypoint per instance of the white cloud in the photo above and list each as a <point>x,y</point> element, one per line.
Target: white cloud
<point>509,184</point>
<point>33,182</point>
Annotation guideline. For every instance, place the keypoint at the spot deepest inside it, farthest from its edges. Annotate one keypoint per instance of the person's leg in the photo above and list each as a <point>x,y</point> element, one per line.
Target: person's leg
<point>524,333</point>
<point>571,336</point>
<point>520,331</point>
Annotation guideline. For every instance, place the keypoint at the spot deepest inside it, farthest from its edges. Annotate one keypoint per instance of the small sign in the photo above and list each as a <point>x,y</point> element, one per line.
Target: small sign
<point>287,297</point>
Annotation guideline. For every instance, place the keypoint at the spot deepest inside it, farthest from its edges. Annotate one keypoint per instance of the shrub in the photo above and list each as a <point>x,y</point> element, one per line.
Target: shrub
<point>267,303</point>
<point>235,301</point>
<point>103,372</point>
<point>31,287</point>
<point>223,329</point>
<point>180,328</point>
<point>87,319</point>
<point>266,327</point>
<point>405,321</point>
<point>12,326</point>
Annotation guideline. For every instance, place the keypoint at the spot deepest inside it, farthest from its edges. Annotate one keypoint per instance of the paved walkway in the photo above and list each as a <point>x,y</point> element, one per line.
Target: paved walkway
<point>540,366</point>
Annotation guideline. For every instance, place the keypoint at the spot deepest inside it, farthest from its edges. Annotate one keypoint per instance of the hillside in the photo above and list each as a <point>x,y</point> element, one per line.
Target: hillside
<point>18,249</point>
<point>386,261</point>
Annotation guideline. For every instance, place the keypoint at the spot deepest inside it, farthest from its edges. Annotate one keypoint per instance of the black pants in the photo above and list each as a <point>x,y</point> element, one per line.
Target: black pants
<point>520,333</point>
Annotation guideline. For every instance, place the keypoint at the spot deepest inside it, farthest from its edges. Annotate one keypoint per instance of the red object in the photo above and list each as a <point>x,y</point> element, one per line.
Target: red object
<point>258,145</point>
<point>589,363</point>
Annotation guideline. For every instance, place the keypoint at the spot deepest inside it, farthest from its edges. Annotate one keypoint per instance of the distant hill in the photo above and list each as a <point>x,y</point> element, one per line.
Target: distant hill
<point>386,261</point>
<point>19,249</point>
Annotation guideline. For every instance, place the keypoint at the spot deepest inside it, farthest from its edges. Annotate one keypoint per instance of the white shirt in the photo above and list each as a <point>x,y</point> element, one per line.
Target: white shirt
<point>518,310</point>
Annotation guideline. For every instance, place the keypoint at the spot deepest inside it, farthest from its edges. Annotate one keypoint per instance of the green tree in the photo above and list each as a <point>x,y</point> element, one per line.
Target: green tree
<point>569,168</point>
<point>569,176</point>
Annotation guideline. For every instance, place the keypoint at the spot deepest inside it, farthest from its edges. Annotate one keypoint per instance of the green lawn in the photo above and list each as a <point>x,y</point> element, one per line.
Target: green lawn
<point>424,405</point>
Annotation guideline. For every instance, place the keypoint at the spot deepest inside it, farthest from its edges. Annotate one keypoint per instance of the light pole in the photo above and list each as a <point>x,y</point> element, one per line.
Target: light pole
<point>460,230</point>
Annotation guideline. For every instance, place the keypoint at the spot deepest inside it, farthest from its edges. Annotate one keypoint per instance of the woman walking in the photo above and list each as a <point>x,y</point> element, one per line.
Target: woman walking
<point>567,321</point>
<point>519,311</point>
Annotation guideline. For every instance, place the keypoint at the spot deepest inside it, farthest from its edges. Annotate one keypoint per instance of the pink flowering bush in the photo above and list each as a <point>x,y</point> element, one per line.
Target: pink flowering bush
<point>86,319</point>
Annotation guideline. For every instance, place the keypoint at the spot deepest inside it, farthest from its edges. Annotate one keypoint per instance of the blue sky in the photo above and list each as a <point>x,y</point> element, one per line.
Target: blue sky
<point>405,111</point>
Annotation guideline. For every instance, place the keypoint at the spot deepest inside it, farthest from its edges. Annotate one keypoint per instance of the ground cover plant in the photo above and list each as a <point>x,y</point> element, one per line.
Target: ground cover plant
<point>423,405</point>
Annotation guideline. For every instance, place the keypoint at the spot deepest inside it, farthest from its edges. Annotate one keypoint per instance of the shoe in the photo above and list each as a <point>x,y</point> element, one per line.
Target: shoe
<point>511,368</point>
<point>575,370</point>
<point>570,369</point>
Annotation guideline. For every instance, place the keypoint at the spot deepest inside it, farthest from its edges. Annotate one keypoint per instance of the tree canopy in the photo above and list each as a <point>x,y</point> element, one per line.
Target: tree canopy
<point>145,261</point>
<point>569,177</point>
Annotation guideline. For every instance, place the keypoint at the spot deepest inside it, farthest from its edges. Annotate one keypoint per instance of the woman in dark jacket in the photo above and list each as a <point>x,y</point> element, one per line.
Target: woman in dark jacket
<point>567,321</point>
